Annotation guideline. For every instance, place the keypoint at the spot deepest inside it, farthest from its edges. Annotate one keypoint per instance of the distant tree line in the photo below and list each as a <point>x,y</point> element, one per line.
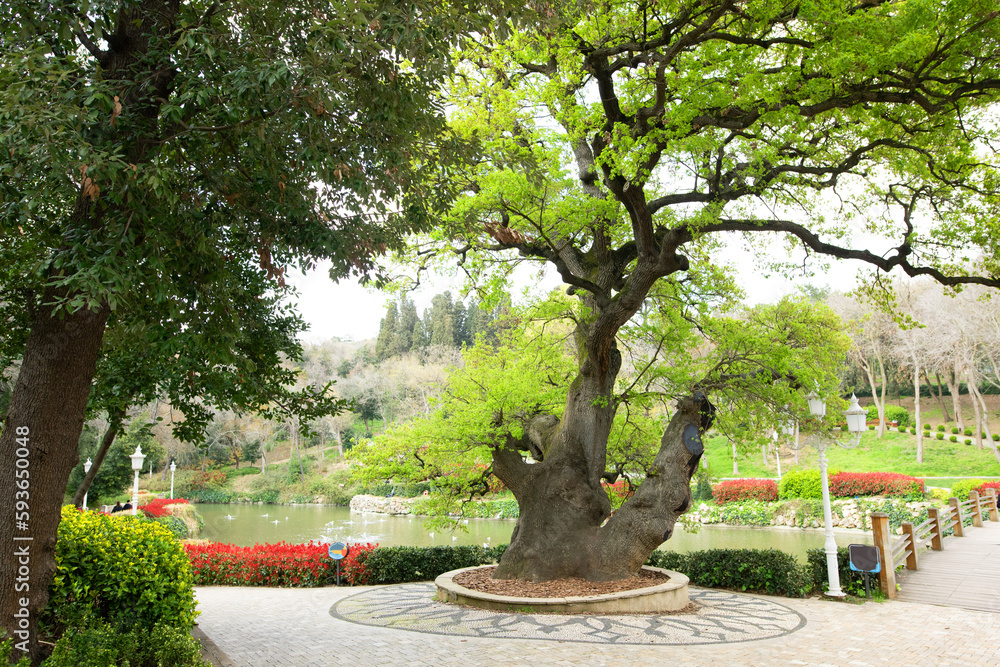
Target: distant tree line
<point>447,323</point>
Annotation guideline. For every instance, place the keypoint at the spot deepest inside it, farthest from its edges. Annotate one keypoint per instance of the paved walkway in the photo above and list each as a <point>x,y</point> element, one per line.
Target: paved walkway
<point>268,627</point>
<point>966,573</point>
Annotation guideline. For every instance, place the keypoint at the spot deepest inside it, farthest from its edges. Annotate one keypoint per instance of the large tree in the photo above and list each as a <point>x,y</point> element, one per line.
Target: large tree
<point>624,140</point>
<point>152,152</point>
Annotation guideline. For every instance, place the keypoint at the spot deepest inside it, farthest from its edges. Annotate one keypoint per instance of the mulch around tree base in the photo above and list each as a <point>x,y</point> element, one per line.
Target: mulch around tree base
<point>481,580</point>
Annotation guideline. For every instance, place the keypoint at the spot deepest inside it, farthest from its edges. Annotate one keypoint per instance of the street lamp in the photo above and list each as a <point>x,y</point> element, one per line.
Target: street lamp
<point>86,469</point>
<point>856,426</point>
<point>137,457</point>
<point>173,467</point>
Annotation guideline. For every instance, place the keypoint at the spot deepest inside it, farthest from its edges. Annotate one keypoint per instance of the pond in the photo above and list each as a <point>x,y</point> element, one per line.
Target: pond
<point>251,524</point>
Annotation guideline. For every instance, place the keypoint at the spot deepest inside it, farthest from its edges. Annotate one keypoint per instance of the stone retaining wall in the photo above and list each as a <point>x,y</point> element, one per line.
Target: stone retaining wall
<point>381,505</point>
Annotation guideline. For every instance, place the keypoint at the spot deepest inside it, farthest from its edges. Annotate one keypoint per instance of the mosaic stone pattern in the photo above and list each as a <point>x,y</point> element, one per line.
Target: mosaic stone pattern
<point>719,618</point>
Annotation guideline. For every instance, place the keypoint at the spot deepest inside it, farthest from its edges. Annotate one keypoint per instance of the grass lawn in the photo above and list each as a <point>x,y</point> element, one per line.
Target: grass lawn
<point>894,452</point>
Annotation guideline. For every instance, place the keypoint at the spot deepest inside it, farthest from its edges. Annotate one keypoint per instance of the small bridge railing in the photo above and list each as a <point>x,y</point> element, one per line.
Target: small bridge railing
<point>929,533</point>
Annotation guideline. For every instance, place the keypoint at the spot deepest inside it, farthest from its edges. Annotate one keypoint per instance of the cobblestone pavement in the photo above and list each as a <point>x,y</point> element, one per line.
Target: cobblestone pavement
<point>268,627</point>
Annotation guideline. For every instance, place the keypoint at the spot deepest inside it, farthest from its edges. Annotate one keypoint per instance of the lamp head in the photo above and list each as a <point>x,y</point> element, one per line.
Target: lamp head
<point>137,458</point>
<point>856,416</point>
<point>817,406</point>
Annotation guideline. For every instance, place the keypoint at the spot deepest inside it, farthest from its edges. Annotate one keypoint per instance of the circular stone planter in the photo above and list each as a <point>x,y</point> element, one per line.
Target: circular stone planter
<point>669,596</point>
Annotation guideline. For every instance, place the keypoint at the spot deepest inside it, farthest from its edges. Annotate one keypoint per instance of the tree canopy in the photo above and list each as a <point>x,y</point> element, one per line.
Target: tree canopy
<point>625,143</point>
<point>161,163</point>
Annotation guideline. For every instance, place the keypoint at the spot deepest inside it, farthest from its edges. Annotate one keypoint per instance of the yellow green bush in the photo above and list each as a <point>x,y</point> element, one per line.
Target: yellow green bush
<point>126,570</point>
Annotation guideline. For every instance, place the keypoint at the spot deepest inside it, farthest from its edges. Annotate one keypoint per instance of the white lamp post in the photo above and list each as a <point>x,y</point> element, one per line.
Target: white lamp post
<point>86,469</point>
<point>137,457</point>
<point>173,467</point>
<point>856,426</point>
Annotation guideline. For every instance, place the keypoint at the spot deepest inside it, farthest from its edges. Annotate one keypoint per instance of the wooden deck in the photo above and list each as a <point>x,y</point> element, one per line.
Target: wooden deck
<point>965,574</point>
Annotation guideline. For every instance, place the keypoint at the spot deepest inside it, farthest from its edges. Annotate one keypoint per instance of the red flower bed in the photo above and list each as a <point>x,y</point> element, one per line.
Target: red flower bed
<point>157,507</point>
<point>981,489</point>
<point>295,565</point>
<point>734,490</point>
<point>849,484</point>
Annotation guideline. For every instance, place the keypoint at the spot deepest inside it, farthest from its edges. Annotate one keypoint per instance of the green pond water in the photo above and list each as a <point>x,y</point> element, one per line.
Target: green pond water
<point>246,525</point>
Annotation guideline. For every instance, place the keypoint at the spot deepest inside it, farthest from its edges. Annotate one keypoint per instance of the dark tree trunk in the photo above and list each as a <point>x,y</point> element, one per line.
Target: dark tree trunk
<point>561,530</point>
<point>114,425</point>
<point>38,450</point>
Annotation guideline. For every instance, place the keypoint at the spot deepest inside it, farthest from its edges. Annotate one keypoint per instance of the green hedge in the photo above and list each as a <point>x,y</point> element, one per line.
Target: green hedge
<point>800,484</point>
<point>269,497</point>
<point>893,413</point>
<point>126,570</point>
<point>393,565</point>
<point>756,570</point>
<point>850,581</point>
<point>99,645</point>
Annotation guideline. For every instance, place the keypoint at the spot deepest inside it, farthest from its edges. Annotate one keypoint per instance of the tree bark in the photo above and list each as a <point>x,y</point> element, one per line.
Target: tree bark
<point>561,530</point>
<point>38,450</point>
<point>954,387</point>
<point>114,425</point>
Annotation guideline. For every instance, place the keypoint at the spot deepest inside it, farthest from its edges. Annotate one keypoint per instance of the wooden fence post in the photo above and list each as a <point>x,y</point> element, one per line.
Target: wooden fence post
<point>977,509</point>
<point>956,511</point>
<point>911,558</point>
<point>991,502</point>
<point>883,540</point>
<point>937,533</point>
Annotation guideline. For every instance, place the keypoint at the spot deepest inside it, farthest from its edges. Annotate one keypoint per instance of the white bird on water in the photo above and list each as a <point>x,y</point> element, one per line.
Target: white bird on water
<point>275,522</point>
<point>230,517</point>
<point>264,515</point>
<point>454,537</point>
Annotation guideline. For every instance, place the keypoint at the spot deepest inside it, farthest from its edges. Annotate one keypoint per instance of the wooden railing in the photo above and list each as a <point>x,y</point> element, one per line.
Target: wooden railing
<point>929,533</point>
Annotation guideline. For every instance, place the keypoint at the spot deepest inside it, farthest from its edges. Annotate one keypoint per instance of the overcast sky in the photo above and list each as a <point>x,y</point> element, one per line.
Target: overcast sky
<point>352,312</point>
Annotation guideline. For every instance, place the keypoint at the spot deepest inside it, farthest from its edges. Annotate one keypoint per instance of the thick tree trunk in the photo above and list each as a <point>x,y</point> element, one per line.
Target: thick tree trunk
<point>561,530</point>
<point>38,450</point>
<point>114,425</point>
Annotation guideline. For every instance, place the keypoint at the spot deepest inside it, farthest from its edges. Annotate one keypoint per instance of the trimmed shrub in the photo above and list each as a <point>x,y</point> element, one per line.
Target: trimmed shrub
<point>940,436</point>
<point>295,565</point>
<point>940,429</point>
<point>968,441</point>
<point>756,570</point>
<point>736,490</point>
<point>954,431</point>
<point>961,488</point>
<point>99,645</point>
<point>968,431</point>
<point>850,484</point>
<point>893,413</point>
<point>953,438</point>
<point>123,569</point>
<point>800,484</point>
<point>850,581</point>
<point>996,437</point>
<point>392,565</point>
<point>913,431</point>
<point>927,426</point>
